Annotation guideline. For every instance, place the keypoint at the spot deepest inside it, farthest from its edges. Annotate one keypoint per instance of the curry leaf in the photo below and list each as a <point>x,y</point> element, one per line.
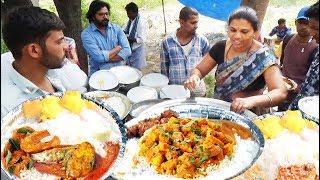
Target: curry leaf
<point>24,130</point>
<point>15,144</point>
<point>10,169</point>
<point>30,164</point>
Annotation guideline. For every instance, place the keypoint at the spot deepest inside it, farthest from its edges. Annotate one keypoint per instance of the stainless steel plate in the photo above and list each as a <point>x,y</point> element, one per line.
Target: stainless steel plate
<point>210,112</point>
<point>16,116</point>
<point>200,102</point>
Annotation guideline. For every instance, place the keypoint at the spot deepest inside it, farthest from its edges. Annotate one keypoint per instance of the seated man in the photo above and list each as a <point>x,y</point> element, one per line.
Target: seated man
<point>36,48</point>
<point>105,43</point>
<point>71,76</point>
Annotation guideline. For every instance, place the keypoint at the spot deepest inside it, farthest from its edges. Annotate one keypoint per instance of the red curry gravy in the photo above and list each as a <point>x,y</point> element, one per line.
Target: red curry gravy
<point>102,165</point>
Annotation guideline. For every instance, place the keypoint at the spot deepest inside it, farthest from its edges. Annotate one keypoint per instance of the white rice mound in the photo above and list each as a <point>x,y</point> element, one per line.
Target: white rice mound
<point>245,151</point>
<point>289,149</point>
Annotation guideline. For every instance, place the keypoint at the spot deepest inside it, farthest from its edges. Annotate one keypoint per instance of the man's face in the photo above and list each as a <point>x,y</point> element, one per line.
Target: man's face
<point>54,53</point>
<point>191,24</point>
<point>314,29</point>
<point>132,15</point>
<point>302,26</point>
<point>101,18</point>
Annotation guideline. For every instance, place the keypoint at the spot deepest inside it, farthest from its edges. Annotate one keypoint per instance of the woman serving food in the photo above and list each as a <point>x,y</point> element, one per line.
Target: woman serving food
<point>244,67</point>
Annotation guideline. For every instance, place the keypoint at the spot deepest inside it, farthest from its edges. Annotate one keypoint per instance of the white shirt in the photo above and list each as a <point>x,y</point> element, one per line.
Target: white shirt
<point>70,75</point>
<point>141,32</point>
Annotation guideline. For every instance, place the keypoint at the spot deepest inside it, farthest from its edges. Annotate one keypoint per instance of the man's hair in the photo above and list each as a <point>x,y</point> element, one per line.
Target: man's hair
<point>94,7</point>
<point>186,12</point>
<point>281,20</point>
<point>132,7</point>
<point>247,13</point>
<point>313,11</point>
<point>28,24</point>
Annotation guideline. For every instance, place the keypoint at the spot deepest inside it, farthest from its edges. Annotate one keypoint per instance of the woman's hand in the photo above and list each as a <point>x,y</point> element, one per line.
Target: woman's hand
<point>239,105</point>
<point>192,82</point>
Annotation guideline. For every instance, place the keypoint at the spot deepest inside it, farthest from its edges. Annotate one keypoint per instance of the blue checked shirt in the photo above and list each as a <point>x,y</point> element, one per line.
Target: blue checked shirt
<point>98,46</point>
<point>177,65</point>
<point>281,33</point>
<point>310,86</point>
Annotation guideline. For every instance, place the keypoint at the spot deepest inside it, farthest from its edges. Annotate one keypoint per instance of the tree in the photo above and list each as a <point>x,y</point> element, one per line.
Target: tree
<point>259,5</point>
<point>70,13</point>
<point>6,5</point>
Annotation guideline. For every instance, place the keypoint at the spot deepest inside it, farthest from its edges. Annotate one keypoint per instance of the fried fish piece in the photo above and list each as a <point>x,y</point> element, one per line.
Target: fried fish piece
<point>302,172</point>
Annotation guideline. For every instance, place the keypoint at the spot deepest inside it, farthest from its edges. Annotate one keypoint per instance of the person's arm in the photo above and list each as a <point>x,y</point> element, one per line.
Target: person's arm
<point>277,93</point>
<point>273,31</point>
<point>141,32</point>
<point>125,52</point>
<point>164,59</point>
<point>95,52</point>
<point>202,69</point>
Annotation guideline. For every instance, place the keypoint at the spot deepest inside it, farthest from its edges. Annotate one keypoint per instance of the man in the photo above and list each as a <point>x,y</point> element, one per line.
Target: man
<point>135,31</point>
<point>297,53</point>
<point>281,30</point>
<point>36,48</point>
<point>106,43</point>
<point>310,86</point>
<point>183,50</point>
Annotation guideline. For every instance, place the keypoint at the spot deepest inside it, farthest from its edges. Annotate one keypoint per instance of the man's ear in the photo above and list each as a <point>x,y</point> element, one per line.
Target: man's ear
<point>34,50</point>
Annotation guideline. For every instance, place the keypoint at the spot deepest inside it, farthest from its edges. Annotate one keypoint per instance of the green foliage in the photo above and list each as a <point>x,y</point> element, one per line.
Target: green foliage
<point>3,46</point>
<point>210,81</point>
<point>286,3</point>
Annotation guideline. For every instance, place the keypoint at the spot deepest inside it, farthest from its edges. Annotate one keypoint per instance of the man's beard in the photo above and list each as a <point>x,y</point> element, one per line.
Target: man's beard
<point>103,22</point>
<point>51,61</point>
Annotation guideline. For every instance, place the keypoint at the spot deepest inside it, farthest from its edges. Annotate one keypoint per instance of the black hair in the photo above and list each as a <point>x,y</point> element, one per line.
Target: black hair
<point>132,7</point>
<point>281,20</point>
<point>28,24</point>
<point>313,11</point>
<point>94,7</point>
<point>247,13</point>
<point>186,12</point>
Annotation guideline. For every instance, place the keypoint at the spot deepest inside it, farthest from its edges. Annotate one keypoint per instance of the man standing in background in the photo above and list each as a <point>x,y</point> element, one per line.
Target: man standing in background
<point>183,50</point>
<point>135,31</point>
<point>105,43</point>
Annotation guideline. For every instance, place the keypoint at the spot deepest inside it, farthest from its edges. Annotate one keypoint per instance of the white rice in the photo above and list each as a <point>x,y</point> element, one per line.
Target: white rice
<point>289,149</point>
<point>33,174</point>
<point>74,129</point>
<point>245,151</point>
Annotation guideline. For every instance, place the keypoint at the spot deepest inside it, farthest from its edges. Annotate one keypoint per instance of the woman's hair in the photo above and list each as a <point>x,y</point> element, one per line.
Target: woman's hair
<point>186,12</point>
<point>28,24</point>
<point>313,11</point>
<point>247,13</point>
<point>94,7</point>
<point>132,7</point>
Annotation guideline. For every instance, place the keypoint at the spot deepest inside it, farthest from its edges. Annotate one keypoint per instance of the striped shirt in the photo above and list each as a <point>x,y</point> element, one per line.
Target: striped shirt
<point>177,65</point>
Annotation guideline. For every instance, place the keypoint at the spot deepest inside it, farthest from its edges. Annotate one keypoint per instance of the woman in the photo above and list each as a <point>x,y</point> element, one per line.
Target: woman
<point>245,66</point>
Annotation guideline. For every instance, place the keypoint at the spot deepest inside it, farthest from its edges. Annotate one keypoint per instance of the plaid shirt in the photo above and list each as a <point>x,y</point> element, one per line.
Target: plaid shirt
<point>281,33</point>
<point>175,64</point>
<point>310,86</point>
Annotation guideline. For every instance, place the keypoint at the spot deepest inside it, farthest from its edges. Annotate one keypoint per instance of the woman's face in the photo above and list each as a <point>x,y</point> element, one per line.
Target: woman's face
<point>241,33</point>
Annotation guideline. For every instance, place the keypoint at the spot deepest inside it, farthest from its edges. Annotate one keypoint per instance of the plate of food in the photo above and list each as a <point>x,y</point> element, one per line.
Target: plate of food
<point>61,135</point>
<point>291,148</point>
<point>289,83</point>
<point>117,101</point>
<point>185,142</point>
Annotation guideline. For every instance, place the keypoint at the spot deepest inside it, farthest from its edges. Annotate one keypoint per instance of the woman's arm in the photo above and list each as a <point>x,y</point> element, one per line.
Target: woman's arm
<point>277,93</point>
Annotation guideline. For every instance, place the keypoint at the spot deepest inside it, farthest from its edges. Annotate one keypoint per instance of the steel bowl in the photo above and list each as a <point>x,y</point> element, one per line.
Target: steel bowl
<point>309,107</point>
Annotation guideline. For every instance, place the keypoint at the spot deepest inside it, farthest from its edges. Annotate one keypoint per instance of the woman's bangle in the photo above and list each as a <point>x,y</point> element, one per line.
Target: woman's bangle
<point>270,100</point>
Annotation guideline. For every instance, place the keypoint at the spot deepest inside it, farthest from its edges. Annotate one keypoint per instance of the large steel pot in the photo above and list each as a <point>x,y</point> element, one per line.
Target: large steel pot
<point>128,77</point>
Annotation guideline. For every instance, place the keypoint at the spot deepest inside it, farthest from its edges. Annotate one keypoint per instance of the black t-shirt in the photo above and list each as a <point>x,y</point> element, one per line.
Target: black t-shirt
<point>217,53</point>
